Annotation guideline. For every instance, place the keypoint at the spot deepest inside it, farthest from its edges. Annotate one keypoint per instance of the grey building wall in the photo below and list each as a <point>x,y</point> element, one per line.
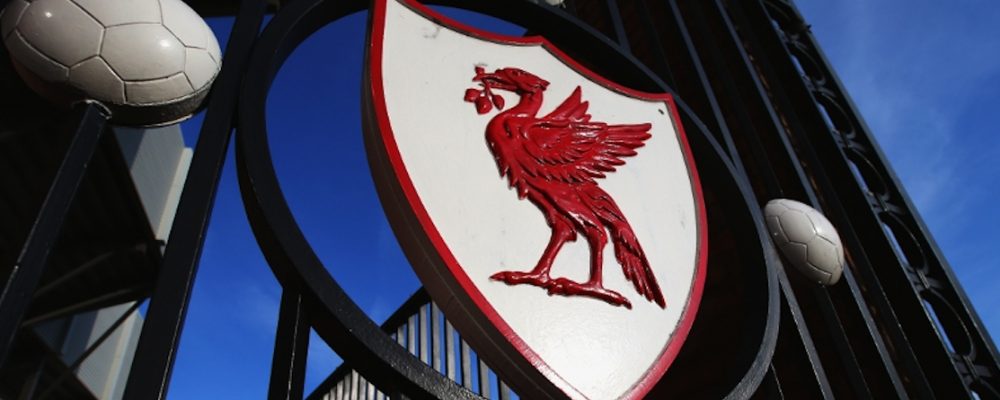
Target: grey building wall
<point>158,162</point>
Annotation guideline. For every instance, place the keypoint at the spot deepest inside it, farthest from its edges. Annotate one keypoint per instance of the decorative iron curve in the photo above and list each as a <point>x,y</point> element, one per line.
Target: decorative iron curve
<point>949,329</point>
<point>335,317</point>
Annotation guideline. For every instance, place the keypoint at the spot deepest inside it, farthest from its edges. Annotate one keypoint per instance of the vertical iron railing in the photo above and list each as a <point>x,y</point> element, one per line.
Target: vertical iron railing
<point>759,136</point>
<point>20,286</point>
<point>782,116</point>
<point>752,70</point>
<point>157,347</point>
<point>718,59</point>
<point>931,330</point>
<point>862,359</point>
<point>410,331</point>
<point>420,327</point>
<point>860,305</point>
<point>702,77</point>
<point>291,345</point>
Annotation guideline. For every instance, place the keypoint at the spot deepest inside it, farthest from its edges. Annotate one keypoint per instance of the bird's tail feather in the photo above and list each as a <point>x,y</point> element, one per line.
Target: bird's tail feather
<point>634,263</point>
<point>628,252</point>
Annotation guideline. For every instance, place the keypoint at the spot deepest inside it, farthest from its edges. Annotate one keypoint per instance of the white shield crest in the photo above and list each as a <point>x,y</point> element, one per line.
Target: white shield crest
<point>555,216</point>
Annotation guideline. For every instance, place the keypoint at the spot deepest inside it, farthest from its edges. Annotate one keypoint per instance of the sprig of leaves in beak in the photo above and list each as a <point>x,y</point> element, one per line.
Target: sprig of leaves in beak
<point>484,99</point>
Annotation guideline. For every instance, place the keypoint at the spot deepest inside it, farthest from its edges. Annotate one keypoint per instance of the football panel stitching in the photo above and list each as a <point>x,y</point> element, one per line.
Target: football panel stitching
<point>119,74</point>
<point>17,20</point>
<point>34,49</point>
<point>132,23</point>
<point>83,61</point>
<point>115,74</point>
<point>85,11</point>
<point>126,85</point>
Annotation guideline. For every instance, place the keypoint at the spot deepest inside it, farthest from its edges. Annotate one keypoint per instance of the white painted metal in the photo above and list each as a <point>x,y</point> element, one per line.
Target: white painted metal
<point>484,379</point>
<point>423,339</point>
<point>354,385</point>
<point>466,365</point>
<point>504,391</point>
<point>807,239</point>
<point>449,340</point>
<point>472,377</point>
<point>411,335</point>
<point>436,336</point>
<point>600,350</point>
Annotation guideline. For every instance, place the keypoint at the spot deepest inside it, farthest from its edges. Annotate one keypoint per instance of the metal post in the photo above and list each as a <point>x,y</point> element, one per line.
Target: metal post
<point>30,385</point>
<point>157,348</point>
<point>30,265</point>
<point>869,197</point>
<point>291,345</point>
<point>619,26</point>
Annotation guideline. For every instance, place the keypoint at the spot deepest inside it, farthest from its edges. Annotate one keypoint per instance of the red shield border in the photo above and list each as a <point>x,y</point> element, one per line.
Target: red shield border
<point>406,212</point>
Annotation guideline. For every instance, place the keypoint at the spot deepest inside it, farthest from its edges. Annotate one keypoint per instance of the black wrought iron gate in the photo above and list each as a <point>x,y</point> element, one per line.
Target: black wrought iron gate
<point>765,112</point>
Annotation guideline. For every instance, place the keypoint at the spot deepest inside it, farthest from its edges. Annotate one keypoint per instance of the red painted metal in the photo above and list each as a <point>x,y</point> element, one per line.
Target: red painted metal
<point>555,161</point>
<point>477,302</point>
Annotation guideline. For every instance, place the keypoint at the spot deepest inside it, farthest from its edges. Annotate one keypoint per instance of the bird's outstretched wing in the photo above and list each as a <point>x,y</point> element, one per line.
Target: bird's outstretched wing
<point>567,146</point>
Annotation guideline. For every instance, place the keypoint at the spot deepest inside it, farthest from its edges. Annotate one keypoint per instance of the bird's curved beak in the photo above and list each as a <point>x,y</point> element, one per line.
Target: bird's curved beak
<point>494,80</point>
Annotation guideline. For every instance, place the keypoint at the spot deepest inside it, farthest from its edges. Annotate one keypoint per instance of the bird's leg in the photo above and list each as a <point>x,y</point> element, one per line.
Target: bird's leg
<point>594,287</point>
<point>562,232</point>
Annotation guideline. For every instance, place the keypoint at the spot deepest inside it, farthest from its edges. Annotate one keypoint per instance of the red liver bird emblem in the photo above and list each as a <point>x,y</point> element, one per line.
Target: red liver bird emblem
<point>555,162</point>
<point>575,222</point>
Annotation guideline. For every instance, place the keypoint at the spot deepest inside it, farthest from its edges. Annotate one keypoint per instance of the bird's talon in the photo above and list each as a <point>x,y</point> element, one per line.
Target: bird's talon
<point>516,277</point>
<point>560,286</point>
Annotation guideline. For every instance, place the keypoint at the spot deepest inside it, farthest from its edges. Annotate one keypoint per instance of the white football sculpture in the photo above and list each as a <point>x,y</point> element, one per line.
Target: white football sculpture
<point>151,62</point>
<point>807,239</point>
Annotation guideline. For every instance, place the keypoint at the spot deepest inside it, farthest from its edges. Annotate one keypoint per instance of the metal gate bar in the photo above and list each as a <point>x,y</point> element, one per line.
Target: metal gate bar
<point>157,348</point>
<point>24,277</point>
<point>457,357</point>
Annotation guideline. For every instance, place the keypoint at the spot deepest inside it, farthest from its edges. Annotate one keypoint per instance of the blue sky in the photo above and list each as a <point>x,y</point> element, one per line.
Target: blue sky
<point>925,79</point>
